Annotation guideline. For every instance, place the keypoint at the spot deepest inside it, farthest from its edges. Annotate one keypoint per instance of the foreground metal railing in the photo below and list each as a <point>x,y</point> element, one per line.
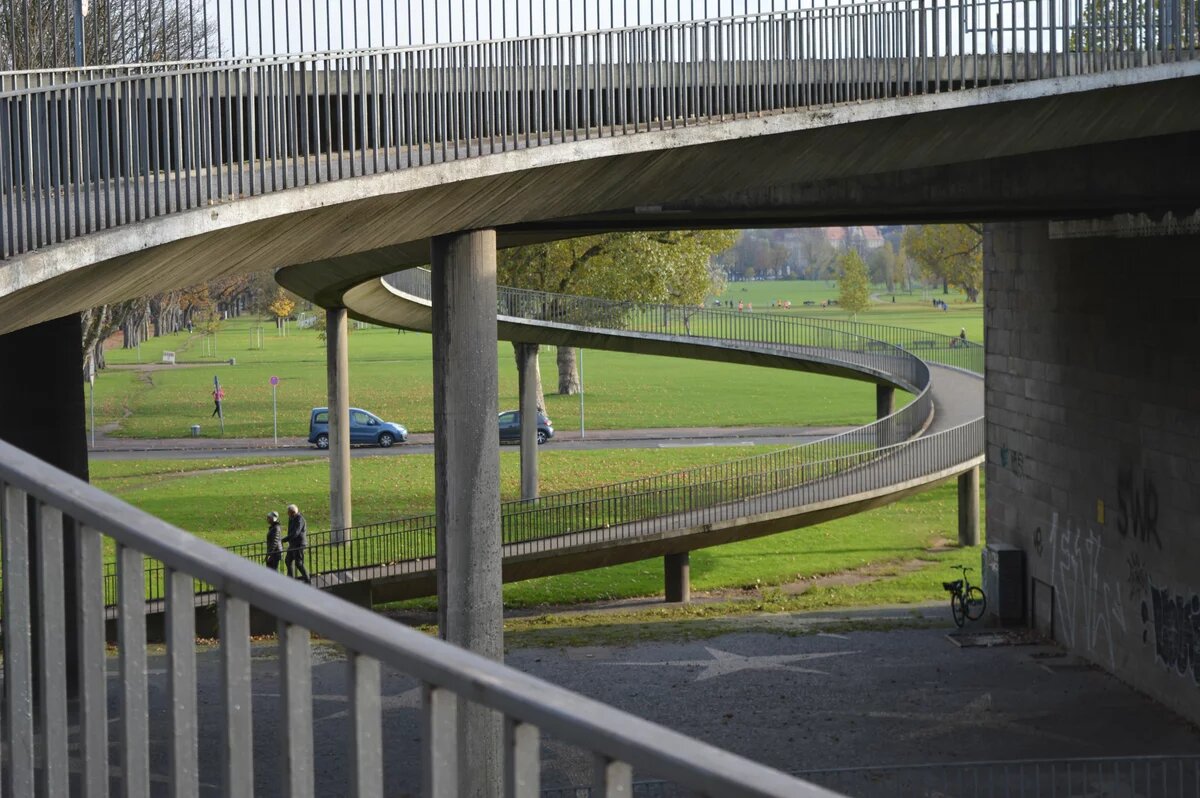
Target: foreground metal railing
<point>94,154</point>
<point>1140,776</point>
<point>862,460</point>
<point>51,742</point>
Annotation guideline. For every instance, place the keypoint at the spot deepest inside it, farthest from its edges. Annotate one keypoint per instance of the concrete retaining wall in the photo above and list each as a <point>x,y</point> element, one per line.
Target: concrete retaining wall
<point>1093,408</point>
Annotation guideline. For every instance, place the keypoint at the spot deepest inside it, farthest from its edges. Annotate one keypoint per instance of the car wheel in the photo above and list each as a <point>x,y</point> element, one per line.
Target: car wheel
<point>322,441</point>
<point>542,438</point>
<point>386,439</point>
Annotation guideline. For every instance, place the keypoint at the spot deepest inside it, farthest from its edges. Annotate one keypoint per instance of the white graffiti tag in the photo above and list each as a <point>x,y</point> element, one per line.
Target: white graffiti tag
<point>1091,607</point>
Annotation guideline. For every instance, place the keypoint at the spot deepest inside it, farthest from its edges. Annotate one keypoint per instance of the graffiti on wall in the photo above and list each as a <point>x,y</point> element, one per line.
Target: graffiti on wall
<point>1093,611</point>
<point>1012,460</point>
<point>1139,577</point>
<point>1137,506</point>
<point>1174,621</point>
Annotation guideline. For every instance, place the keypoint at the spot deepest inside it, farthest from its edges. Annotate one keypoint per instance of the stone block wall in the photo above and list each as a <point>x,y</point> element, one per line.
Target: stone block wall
<point>1093,461</point>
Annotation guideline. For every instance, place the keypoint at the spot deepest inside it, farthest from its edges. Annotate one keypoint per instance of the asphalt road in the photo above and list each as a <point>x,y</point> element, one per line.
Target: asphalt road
<point>422,443</point>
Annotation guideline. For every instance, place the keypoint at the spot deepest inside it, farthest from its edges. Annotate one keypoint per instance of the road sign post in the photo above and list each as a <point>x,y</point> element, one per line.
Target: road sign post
<point>275,406</point>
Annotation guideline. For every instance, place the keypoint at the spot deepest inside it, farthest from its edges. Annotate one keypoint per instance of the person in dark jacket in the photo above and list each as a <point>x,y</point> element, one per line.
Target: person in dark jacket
<point>274,541</point>
<point>297,540</point>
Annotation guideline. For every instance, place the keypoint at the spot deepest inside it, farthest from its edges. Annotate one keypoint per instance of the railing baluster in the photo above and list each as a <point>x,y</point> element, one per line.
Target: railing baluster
<point>181,683</point>
<point>131,641</point>
<point>366,739</point>
<point>18,642</point>
<point>522,766</point>
<point>237,732</point>
<point>439,719</point>
<point>612,779</point>
<point>295,696</point>
<point>52,651</point>
<point>93,707</point>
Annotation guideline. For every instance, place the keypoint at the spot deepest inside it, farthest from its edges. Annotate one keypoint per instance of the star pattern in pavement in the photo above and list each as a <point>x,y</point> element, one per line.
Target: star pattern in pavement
<point>725,662</point>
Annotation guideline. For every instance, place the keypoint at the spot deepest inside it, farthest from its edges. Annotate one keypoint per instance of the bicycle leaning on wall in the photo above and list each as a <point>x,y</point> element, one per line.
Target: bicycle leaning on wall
<point>967,602</point>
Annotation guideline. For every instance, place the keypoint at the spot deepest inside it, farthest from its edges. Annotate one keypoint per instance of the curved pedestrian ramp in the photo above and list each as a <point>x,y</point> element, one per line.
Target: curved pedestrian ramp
<point>936,436</point>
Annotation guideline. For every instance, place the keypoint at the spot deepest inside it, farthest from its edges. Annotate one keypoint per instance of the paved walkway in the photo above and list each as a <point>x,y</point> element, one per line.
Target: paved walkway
<point>796,692</point>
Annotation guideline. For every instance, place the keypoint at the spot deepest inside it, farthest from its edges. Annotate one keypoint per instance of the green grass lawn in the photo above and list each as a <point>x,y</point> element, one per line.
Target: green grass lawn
<point>391,375</point>
<point>913,310</point>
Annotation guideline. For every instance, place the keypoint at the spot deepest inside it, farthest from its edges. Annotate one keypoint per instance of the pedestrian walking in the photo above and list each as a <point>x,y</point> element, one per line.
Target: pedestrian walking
<point>297,540</point>
<point>218,395</point>
<point>962,336</point>
<point>274,541</point>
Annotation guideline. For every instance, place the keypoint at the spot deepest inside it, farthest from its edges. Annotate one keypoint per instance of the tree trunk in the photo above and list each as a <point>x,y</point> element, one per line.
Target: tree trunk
<point>945,286</point>
<point>568,374</point>
<point>531,350</point>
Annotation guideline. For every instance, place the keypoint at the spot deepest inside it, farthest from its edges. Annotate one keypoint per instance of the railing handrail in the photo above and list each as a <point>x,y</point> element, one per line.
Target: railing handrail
<point>572,717</point>
<point>865,7</point>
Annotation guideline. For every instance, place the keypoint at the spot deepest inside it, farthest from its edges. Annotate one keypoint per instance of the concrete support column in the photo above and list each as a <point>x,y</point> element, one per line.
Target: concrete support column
<point>466,457</point>
<point>528,390</point>
<point>337,359</point>
<point>885,405</point>
<point>677,577</point>
<point>42,411</point>
<point>968,508</point>
<point>885,401</point>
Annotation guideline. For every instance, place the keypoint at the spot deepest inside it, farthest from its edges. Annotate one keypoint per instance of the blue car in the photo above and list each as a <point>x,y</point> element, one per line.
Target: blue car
<point>365,428</point>
<point>510,427</point>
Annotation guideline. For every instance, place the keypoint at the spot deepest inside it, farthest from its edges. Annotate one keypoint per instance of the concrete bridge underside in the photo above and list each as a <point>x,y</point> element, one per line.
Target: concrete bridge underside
<point>354,229</point>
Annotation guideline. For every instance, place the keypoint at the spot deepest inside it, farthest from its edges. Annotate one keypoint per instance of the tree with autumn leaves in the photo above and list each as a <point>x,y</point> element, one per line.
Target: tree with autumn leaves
<point>672,267</point>
<point>951,253</point>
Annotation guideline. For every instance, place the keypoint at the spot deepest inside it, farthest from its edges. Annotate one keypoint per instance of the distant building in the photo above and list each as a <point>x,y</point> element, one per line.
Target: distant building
<point>861,238</point>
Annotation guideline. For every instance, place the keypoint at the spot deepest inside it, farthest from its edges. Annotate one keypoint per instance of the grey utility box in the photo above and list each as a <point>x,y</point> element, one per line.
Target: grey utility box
<point>1004,583</point>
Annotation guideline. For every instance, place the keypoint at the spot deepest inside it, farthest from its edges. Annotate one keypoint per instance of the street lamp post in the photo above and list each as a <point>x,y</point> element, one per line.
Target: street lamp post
<point>81,11</point>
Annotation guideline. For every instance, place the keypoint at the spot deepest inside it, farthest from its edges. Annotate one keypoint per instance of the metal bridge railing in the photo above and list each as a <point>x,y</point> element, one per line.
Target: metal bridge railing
<point>865,459</point>
<point>34,495</point>
<point>118,32</point>
<point>1135,777</point>
<point>111,150</point>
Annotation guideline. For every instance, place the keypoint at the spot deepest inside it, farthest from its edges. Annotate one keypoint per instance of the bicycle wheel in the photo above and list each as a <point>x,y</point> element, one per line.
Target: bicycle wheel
<point>974,603</point>
<point>958,609</point>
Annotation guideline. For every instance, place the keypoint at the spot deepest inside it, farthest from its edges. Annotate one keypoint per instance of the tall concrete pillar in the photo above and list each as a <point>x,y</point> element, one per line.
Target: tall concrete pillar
<point>677,577</point>
<point>337,360</point>
<point>42,411</point>
<point>885,401</point>
<point>528,390</point>
<point>466,456</point>
<point>885,405</point>
<point>968,508</point>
